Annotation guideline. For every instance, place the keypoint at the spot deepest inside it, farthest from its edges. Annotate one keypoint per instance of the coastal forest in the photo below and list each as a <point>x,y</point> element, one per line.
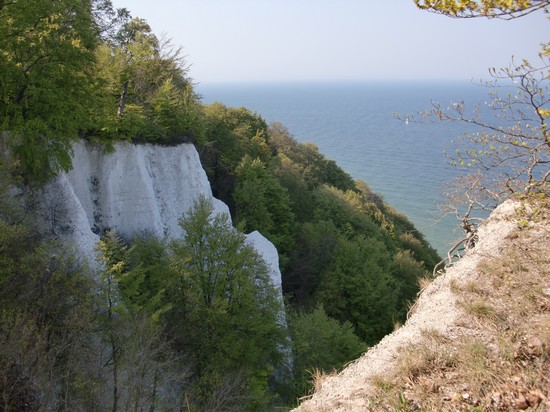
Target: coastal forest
<point>189,324</point>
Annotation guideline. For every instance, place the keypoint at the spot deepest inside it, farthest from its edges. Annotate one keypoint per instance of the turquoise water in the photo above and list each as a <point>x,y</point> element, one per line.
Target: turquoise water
<point>352,123</point>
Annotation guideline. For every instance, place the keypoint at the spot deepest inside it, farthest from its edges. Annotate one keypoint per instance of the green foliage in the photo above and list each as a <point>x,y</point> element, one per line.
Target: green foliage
<point>225,310</point>
<point>353,254</point>
<point>111,253</point>
<point>297,187</point>
<point>47,50</point>
<point>65,72</point>
<point>358,287</point>
<point>419,248</point>
<point>45,312</point>
<point>131,303</point>
<point>308,161</point>
<point>45,325</point>
<point>140,273</point>
<point>112,256</point>
<point>236,132</point>
<point>263,204</point>
<point>229,135</point>
<point>315,245</point>
<point>108,20</point>
<point>333,204</point>
<point>57,82</point>
<point>146,94</point>
<point>350,262</point>
<point>395,226</point>
<point>503,9</point>
<point>355,268</point>
<point>150,271</point>
<point>406,271</point>
<point>319,342</point>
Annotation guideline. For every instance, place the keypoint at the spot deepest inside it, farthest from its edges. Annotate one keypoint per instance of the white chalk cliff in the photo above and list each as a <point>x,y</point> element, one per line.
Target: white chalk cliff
<point>135,189</point>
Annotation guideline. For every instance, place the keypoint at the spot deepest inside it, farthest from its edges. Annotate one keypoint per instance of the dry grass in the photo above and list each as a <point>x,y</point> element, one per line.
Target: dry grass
<point>318,376</point>
<point>424,282</point>
<point>501,360</point>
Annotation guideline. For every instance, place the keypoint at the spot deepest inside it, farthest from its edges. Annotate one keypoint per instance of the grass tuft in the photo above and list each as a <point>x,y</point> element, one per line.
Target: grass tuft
<point>479,309</point>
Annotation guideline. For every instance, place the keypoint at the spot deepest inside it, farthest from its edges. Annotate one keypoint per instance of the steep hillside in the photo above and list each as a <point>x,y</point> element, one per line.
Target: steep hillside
<point>476,339</point>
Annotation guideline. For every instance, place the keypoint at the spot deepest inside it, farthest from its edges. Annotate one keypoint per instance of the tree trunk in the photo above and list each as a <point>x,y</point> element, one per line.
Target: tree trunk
<point>112,338</point>
<point>154,394</point>
<point>122,102</point>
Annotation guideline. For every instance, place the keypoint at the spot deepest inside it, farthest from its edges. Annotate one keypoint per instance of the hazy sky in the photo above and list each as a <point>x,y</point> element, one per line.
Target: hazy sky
<point>278,40</point>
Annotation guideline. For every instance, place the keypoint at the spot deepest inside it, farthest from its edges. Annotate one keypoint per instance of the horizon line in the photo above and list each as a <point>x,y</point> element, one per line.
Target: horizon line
<point>349,81</point>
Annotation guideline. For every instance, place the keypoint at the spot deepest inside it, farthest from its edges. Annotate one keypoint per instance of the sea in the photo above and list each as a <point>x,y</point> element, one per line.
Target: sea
<point>354,124</point>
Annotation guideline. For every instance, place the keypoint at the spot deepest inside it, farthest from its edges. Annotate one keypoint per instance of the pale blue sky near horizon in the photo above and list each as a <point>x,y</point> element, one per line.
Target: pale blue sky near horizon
<point>329,40</point>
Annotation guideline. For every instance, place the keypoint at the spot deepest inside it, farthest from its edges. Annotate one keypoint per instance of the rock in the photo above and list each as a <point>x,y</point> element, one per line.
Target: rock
<point>134,189</point>
<point>534,398</point>
<point>521,402</point>
<point>269,253</point>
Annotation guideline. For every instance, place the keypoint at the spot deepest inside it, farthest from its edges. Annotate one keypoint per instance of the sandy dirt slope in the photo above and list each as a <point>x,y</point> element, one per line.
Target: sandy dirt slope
<point>435,310</point>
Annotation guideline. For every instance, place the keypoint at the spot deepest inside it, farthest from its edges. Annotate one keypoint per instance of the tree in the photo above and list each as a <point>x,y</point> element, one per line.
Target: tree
<point>502,9</point>
<point>315,244</point>
<point>309,161</point>
<point>357,287</point>
<point>47,50</point>
<point>139,357</point>
<point>147,95</point>
<point>45,312</point>
<point>225,310</point>
<point>512,149</point>
<point>144,287</point>
<point>112,254</point>
<point>108,19</point>
<point>262,204</point>
<point>406,271</point>
<point>509,154</point>
<point>319,343</point>
<point>229,135</point>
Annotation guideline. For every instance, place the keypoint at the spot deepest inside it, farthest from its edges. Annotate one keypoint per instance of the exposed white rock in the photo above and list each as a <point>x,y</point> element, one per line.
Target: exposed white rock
<point>134,189</point>
<point>269,253</point>
<point>267,250</point>
<point>139,187</point>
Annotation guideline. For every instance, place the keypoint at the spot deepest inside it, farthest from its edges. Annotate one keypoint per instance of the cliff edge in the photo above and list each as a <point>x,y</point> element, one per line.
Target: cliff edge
<point>478,335</point>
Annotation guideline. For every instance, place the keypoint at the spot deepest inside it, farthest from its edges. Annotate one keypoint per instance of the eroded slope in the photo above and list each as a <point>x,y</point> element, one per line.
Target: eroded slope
<point>478,335</point>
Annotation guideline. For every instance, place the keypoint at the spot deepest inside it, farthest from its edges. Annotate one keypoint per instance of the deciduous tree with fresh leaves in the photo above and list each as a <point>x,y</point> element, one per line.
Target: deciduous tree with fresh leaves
<point>225,310</point>
<point>46,88</point>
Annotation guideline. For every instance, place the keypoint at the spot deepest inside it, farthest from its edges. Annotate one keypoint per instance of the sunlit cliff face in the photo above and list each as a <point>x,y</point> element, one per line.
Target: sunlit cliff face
<point>134,189</point>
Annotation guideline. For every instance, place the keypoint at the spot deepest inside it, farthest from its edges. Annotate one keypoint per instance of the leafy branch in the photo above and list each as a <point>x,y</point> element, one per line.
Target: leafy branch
<point>493,9</point>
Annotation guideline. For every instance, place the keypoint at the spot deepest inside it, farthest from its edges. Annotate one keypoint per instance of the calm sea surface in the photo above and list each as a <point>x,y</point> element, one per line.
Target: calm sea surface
<point>352,123</point>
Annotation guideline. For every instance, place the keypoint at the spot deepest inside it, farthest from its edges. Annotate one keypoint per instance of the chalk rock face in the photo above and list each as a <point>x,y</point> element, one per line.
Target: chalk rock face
<point>267,250</point>
<point>134,189</point>
<point>138,187</point>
